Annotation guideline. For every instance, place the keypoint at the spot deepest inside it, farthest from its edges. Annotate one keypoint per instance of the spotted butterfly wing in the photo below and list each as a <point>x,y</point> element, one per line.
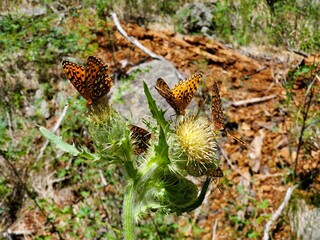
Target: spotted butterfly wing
<point>140,138</point>
<point>77,76</point>
<point>185,90</point>
<point>181,95</point>
<point>217,114</point>
<point>92,68</point>
<point>164,90</point>
<point>92,81</point>
<point>102,83</point>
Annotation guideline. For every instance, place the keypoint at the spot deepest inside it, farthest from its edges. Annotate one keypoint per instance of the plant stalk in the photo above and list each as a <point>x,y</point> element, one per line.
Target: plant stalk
<point>128,216</point>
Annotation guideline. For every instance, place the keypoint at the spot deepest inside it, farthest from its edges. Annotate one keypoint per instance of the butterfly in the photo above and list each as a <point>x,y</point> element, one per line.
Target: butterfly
<point>92,81</point>
<point>217,114</point>
<point>182,93</point>
<point>140,138</point>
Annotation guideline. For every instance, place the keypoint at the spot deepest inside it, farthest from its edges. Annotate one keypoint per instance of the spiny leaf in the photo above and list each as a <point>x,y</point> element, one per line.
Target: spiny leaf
<point>162,148</point>
<point>156,113</point>
<point>57,140</point>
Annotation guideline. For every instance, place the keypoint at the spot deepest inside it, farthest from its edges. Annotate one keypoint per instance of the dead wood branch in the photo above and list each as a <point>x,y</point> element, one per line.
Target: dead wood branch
<point>140,46</point>
<point>214,229</point>
<point>103,179</point>
<point>252,101</point>
<point>299,52</point>
<point>278,212</point>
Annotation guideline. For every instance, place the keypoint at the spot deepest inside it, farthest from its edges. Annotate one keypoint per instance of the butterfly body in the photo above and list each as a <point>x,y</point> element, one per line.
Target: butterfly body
<point>182,93</point>
<point>217,114</point>
<point>92,81</point>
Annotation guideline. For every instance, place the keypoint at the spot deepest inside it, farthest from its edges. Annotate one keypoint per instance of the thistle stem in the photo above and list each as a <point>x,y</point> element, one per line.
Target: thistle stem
<point>128,216</point>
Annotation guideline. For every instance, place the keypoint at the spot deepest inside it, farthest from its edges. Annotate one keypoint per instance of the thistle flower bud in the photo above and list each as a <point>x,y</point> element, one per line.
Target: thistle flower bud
<point>109,132</point>
<point>198,142</point>
<point>175,191</point>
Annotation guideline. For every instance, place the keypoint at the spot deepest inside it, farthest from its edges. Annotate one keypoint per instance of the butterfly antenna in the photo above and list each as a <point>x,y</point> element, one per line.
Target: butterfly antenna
<point>238,140</point>
<point>217,184</point>
<point>201,107</point>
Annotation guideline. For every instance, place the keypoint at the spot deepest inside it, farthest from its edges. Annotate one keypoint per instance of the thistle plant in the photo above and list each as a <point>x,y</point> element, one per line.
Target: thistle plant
<point>156,162</point>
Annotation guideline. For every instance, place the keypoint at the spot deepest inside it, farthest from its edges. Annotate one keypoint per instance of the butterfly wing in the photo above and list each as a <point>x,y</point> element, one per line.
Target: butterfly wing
<point>140,138</point>
<point>77,76</point>
<point>217,113</point>
<point>164,90</point>
<point>102,83</point>
<point>184,91</point>
<point>92,68</point>
<point>217,172</point>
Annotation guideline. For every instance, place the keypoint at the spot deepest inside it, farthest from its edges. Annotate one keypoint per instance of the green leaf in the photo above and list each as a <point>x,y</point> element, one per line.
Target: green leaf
<point>156,113</point>
<point>57,140</point>
<point>253,234</point>
<point>264,204</point>
<point>162,148</point>
<point>89,155</point>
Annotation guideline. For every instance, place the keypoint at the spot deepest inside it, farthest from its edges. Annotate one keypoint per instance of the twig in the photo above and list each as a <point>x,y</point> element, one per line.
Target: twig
<point>139,45</point>
<point>252,100</point>
<point>103,179</point>
<point>263,177</point>
<point>61,15</point>
<point>59,180</point>
<point>305,111</point>
<point>260,69</point>
<point>299,52</point>
<point>224,154</point>
<point>311,84</point>
<point>278,212</point>
<point>10,126</point>
<point>54,129</point>
<point>256,71</point>
<point>214,232</point>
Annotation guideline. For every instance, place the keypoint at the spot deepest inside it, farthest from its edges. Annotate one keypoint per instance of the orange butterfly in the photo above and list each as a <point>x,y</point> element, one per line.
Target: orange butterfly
<point>92,81</point>
<point>217,114</point>
<point>140,138</point>
<point>181,95</point>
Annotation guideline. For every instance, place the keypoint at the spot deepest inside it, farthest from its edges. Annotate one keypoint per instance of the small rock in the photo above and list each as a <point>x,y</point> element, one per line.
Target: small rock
<point>195,17</point>
<point>305,220</point>
<point>128,98</point>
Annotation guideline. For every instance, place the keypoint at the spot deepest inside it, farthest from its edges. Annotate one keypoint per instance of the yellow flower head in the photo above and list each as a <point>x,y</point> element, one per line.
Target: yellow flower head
<point>196,140</point>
